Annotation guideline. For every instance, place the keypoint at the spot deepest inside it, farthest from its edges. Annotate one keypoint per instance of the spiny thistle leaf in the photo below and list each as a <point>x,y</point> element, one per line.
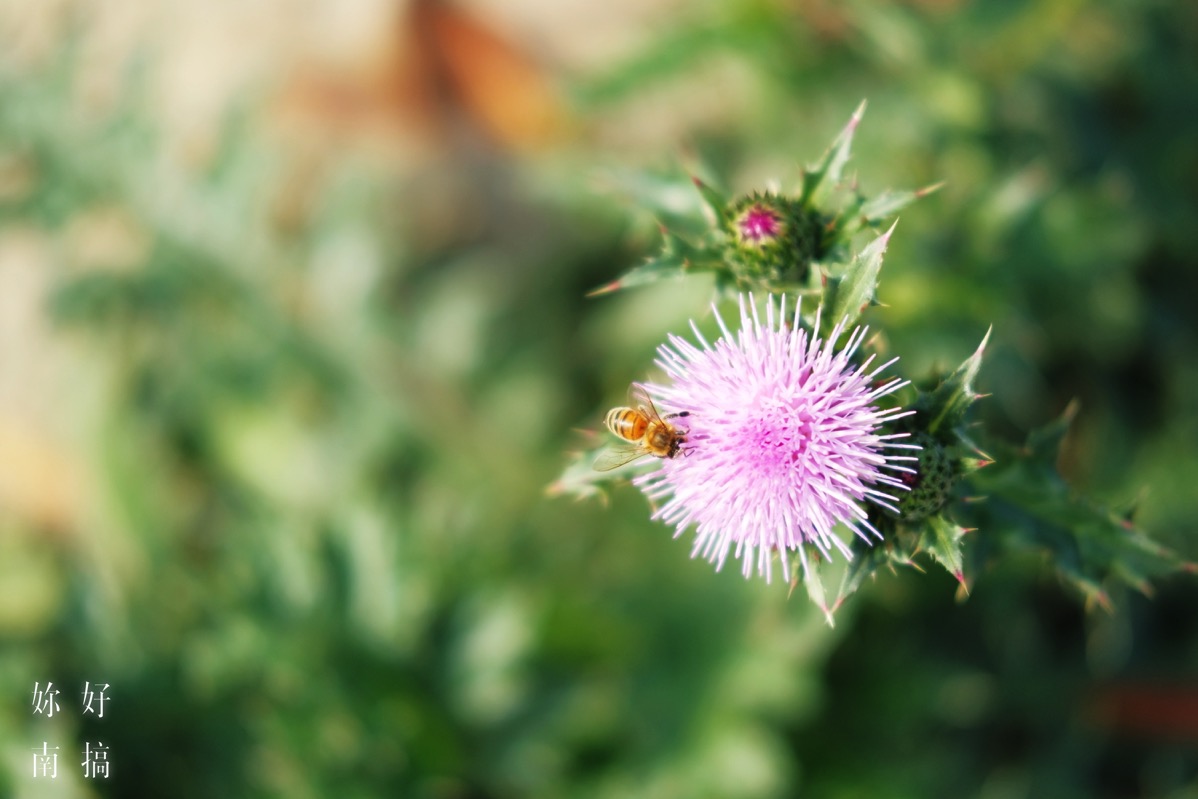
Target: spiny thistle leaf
<point>678,256</point>
<point>1090,546</point>
<point>889,203</point>
<point>655,269</point>
<point>941,538</point>
<point>827,171</point>
<point>861,212</point>
<point>947,404</point>
<point>848,296</point>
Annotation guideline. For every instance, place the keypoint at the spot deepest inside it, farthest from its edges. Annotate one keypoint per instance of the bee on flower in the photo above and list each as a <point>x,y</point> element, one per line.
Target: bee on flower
<point>643,432</point>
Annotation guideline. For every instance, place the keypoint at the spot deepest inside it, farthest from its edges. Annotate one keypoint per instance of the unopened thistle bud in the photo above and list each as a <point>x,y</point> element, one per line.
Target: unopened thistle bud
<point>772,240</point>
<point>935,474</point>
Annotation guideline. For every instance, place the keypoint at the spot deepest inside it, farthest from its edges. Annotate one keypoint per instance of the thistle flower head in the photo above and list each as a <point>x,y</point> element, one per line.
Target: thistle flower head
<point>782,441</point>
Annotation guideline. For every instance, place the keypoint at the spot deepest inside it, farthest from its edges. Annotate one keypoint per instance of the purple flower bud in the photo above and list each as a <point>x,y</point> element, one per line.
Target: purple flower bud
<point>772,241</point>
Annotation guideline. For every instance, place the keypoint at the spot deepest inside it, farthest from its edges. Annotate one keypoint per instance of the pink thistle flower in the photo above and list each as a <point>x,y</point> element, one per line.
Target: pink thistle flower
<point>782,441</point>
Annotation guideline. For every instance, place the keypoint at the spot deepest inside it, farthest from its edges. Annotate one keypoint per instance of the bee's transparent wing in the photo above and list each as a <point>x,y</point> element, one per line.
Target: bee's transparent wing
<point>617,456</point>
<point>639,398</point>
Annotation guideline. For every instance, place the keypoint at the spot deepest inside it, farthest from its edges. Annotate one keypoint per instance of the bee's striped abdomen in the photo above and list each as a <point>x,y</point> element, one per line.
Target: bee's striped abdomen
<point>627,423</point>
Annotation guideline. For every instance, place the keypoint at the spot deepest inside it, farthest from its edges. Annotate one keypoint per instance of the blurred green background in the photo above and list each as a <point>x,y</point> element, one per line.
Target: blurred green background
<point>293,336</point>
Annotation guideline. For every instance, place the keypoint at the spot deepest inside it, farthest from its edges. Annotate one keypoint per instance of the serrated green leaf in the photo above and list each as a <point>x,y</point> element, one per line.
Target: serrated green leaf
<point>950,400</point>
<point>1089,545</point>
<point>678,256</point>
<point>828,170</point>
<point>849,295</point>
<point>889,203</point>
<point>650,272</point>
<point>860,212</point>
<point>941,538</point>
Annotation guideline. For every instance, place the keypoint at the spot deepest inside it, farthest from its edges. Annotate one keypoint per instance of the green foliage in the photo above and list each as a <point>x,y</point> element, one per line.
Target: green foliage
<point>1091,547</point>
<point>848,294</point>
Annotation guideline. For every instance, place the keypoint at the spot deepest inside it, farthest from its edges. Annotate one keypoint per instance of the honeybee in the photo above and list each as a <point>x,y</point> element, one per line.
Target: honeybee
<point>644,431</point>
